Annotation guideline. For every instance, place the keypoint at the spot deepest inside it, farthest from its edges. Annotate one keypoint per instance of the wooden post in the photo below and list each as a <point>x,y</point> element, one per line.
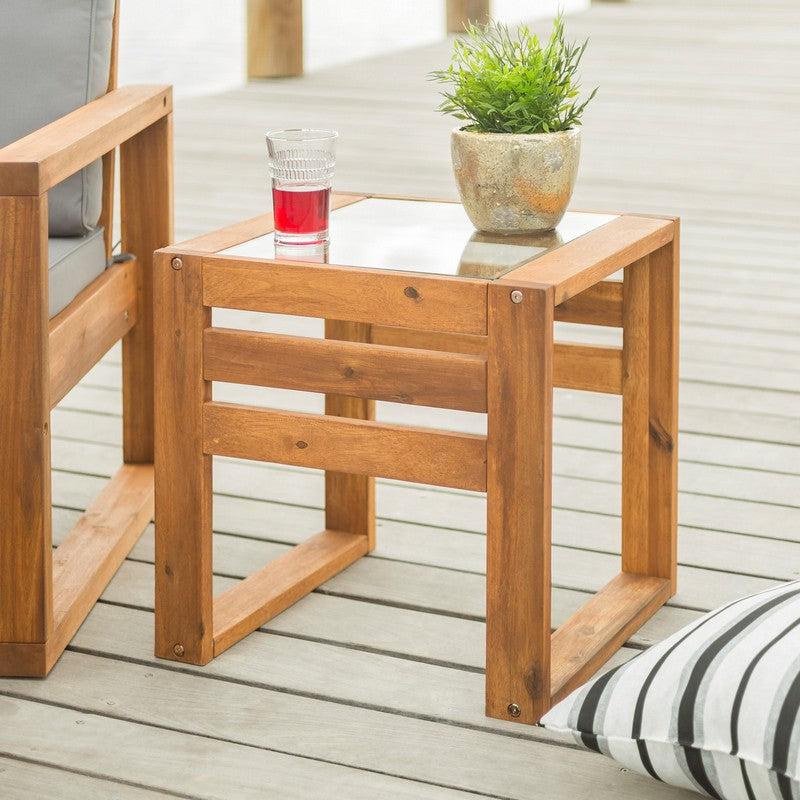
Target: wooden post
<point>274,38</point>
<point>184,595</point>
<point>349,499</point>
<point>26,574</point>
<point>459,12</point>
<point>650,415</point>
<point>519,501</point>
<point>146,209</point>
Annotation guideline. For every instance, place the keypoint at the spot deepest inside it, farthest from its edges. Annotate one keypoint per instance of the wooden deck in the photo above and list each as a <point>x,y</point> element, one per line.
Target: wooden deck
<point>372,687</point>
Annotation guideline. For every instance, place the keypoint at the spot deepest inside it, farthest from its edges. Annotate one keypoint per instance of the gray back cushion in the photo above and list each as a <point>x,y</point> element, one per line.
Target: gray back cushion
<point>55,57</point>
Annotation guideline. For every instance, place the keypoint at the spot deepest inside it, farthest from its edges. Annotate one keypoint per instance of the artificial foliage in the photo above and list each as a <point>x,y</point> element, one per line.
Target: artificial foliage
<point>507,81</point>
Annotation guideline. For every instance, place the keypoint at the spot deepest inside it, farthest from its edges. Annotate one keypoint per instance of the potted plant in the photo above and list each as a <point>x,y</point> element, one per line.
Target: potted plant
<point>516,160</point>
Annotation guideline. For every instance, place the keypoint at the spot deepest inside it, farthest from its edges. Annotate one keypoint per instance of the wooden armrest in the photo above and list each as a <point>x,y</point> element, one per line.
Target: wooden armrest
<point>37,162</point>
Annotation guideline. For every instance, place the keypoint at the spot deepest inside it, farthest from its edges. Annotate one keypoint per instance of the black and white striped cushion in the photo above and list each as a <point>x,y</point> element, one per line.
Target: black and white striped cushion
<point>714,708</point>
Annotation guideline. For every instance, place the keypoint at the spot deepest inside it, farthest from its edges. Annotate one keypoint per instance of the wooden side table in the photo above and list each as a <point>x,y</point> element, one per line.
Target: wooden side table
<point>420,309</point>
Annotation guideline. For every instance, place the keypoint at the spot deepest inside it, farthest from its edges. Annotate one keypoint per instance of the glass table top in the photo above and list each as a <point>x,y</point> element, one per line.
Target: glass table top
<point>421,236</point>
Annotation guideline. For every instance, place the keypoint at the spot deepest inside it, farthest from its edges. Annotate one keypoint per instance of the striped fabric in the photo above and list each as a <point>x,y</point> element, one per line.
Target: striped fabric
<point>713,708</point>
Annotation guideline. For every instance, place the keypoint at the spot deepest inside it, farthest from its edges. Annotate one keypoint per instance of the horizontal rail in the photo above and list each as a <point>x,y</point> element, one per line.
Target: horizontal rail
<point>394,374</point>
<point>259,597</point>
<point>37,162</point>
<point>84,331</point>
<point>90,555</point>
<point>594,633</point>
<point>585,367</point>
<point>600,304</point>
<point>362,447</point>
<point>346,293</point>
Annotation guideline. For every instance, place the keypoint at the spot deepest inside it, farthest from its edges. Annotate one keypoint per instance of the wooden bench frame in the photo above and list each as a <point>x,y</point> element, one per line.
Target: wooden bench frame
<point>45,595</point>
<point>442,341</point>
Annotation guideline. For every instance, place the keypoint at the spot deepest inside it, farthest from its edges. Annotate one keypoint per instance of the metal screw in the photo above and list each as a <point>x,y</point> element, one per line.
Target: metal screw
<point>514,709</point>
<point>516,296</point>
<point>126,316</point>
<point>178,650</point>
<point>176,263</point>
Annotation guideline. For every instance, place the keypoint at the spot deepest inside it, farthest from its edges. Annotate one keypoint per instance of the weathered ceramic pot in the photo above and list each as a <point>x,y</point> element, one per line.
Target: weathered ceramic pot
<point>515,183</point>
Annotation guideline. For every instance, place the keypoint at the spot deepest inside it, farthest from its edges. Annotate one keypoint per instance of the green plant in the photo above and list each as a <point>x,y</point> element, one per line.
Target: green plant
<point>507,82</point>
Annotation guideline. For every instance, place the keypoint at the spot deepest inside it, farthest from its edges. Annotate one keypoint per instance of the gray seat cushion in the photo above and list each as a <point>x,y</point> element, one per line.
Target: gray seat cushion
<point>73,263</point>
<point>54,58</point>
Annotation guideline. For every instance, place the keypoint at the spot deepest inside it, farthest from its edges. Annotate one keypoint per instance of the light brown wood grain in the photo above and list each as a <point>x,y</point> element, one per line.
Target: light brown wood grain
<point>394,374</point>
<point>592,368</point>
<point>146,187</point>
<point>459,12</point>
<point>350,498</point>
<point>25,526</point>
<point>95,320</point>
<point>183,485</point>
<point>274,38</point>
<point>583,262</point>
<point>347,293</point>
<point>259,597</point>
<point>519,503</point>
<point>663,402</point>
<point>90,555</point>
<point>582,644</point>
<point>363,447</point>
<point>600,304</point>
<point>37,162</point>
<point>252,228</point>
<point>650,415</point>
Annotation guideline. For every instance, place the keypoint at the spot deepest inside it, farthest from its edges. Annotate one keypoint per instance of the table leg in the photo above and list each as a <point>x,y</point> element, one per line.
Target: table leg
<point>650,415</point>
<point>519,500</point>
<point>349,499</point>
<point>184,596</point>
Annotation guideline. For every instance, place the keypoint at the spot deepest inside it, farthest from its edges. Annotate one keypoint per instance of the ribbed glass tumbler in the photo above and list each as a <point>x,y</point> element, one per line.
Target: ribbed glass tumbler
<point>301,162</point>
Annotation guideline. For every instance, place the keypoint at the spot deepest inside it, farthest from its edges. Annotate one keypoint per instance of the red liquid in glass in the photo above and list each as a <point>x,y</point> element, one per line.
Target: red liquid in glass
<point>301,209</point>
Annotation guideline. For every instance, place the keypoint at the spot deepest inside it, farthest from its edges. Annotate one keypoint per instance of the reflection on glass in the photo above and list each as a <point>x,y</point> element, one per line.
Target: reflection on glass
<point>424,236</point>
<point>487,255</point>
<point>317,253</point>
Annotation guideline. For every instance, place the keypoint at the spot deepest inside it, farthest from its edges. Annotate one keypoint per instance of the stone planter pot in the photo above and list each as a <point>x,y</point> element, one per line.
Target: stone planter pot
<point>515,183</point>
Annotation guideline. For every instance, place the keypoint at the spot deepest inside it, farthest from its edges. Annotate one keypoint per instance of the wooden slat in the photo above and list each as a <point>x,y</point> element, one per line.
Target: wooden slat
<point>519,504</point>
<point>259,597</point>
<point>146,209</point>
<point>363,447</point>
<point>594,633</point>
<point>587,367</point>
<point>25,527</point>
<point>349,498</point>
<point>591,368</point>
<point>394,374</point>
<point>37,162</point>
<point>274,38</point>
<point>84,331</point>
<point>183,592</point>
<point>575,266</point>
<point>88,557</point>
<point>600,304</point>
<point>252,228</point>
<point>347,293</point>
<point>459,12</point>
<point>430,340</point>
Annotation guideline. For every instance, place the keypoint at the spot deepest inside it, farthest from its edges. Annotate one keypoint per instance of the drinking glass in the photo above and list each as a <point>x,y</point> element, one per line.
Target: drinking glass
<point>301,164</point>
